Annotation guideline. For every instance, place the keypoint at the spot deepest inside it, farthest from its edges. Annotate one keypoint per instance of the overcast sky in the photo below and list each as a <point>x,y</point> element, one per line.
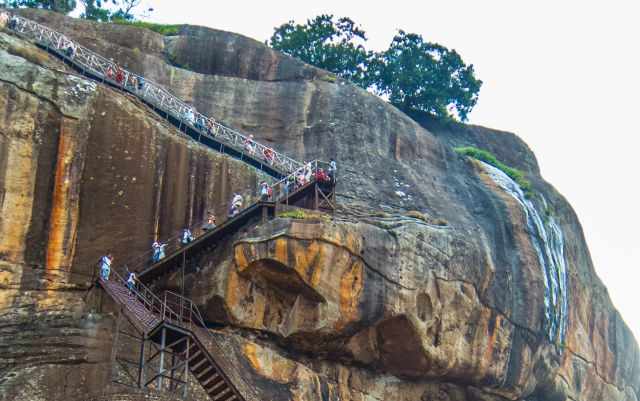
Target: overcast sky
<point>563,75</point>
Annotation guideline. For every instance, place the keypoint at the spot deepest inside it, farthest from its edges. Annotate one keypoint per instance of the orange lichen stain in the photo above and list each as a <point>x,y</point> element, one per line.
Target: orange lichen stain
<point>351,286</point>
<point>232,296</point>
<point>490,339</point>
<point>240,258</point>
<point>353,242</point>
<point>250,352</point>
<point>64,209</point>
<point>319,263</point>
<point>281,251</point>
<point>15,215</point>
<point>305,257</point>
<point>269,364</point>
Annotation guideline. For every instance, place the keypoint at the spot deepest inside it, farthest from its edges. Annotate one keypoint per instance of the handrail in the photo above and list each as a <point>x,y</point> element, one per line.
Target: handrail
<point>144,295</point>
<point>280,191</point>
<point>196,321</point>
<point>149,91</point>
<point>155,94</point>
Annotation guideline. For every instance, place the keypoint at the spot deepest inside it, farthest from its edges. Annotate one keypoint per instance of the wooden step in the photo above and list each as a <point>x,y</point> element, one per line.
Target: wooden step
<point>221,395</point>
<point>194,356</point>
<point>213,385</point>
<point>199,364</point>
<point>209,380</point>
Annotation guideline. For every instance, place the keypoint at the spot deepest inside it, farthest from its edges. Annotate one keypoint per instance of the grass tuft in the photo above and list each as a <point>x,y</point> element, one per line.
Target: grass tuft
<point>489,158</point>
<point>293,214</point>
<point>162,29</point>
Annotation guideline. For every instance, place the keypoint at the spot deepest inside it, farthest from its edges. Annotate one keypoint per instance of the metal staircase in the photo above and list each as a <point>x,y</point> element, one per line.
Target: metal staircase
<point>175,341</point>
<point>169,336</point>
<point>185,117</point>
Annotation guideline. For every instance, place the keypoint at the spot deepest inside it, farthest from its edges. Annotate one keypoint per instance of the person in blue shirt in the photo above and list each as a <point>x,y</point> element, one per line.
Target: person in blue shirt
<point>186,236</point>
<point>158,251</point>
<point>105,266</point>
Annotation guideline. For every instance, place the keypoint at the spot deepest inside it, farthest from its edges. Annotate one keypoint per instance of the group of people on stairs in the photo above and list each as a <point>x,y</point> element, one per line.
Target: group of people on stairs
<point>290,184</point>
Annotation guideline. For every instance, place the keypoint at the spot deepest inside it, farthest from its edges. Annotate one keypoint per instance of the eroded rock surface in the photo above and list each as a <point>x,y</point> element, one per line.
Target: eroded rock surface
<point>370,304</point>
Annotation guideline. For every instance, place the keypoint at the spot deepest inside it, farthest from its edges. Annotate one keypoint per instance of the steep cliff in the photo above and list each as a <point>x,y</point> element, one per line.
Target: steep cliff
<point>435,280</point>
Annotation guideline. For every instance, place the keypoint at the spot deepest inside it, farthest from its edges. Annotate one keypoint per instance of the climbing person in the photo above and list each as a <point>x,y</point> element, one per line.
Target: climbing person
<point>333,167</point>
<point>133,81</point>
<point>322,177</point>
<point>233,210</point>
<point>236,204</point>
<point>300,178</point>
<point>110,72</point>
<point>186,236</point>
<point>189,116</point>
<point>199,124</point>
<point>158,251</point>
<point>131,281</point>
<point>290,184</point>
<point>250,145</point>
<point>13,22</point>
<point>308,172</point>
<point>237,200</point>
<point>264,191</point>
<point>70,50</point>
<point>210,127</point>
<point>105,266</point>
<point>210,223</point>
<point>269,155</point>
<point>4,19</point>
<point>140,83</point>
<point>120,76</point>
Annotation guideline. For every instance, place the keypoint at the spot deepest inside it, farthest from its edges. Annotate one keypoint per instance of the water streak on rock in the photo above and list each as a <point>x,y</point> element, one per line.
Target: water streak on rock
<point>548,241</point>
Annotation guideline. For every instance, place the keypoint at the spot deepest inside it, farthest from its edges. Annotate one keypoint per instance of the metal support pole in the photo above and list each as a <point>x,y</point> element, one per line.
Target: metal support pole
<point>186,368</point>
<point>114,347</point>
<point>172,382</point>
<point>163,343</point>
<point>184,262</point>
<point>142,361</point>
<point>315,197</point>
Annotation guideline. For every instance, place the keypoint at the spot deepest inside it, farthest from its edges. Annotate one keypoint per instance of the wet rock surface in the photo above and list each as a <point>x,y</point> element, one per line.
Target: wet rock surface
<point>427,284</point>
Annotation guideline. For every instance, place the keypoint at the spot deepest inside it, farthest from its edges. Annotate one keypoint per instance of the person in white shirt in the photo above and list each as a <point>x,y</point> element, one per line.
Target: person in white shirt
<point>105,266</point>
<point>186,236</point>
<point>131,281</point>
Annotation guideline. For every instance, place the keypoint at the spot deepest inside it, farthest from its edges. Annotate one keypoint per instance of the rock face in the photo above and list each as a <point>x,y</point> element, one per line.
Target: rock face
<point>435,280</point>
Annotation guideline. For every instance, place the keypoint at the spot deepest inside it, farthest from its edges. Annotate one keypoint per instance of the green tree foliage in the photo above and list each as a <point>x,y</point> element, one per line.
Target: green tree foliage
<point>61,6</point>
<point>411,73</point>
<point>418,75</point>
<point>335,46</point>
<point>97,10</point>
<point>111,10</point>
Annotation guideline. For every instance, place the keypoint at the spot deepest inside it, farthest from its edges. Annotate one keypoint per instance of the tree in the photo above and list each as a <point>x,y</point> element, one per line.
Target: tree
<point>411,73</point>
<point>335,46</point>
<point>94,10</point>
<point>109,10</point>
<point>60,6</point>
<point>418,75</point>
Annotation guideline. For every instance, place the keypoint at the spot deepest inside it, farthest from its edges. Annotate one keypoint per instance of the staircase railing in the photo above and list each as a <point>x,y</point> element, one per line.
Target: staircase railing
<point>151,92</point>
<point>194,321</point>
<point>144,295</point>
<point>280,191</point>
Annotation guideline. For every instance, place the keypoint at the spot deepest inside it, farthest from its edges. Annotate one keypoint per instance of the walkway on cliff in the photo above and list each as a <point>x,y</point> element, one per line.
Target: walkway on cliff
<point>206,130</point>
<point>174,345</point>
<point>170,333</point>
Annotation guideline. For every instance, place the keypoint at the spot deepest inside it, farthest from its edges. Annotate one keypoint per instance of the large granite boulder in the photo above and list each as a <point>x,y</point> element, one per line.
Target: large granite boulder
<point>437,278</point>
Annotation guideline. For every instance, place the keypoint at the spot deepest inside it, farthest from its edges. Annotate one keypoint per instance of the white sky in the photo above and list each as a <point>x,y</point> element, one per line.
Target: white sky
<point>563,75</point>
